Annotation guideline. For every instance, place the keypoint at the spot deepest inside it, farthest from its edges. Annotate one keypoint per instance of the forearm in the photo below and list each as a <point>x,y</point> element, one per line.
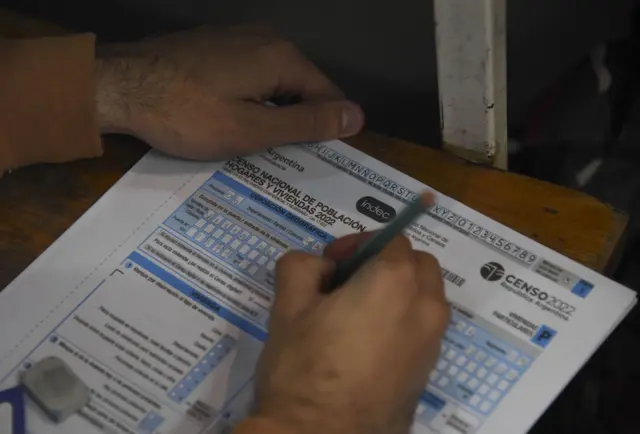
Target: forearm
<point>47,109</point>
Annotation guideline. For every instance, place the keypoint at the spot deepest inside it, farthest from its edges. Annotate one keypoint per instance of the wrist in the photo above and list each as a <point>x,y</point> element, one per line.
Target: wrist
<point>120,71</point>
<point>110,110</point>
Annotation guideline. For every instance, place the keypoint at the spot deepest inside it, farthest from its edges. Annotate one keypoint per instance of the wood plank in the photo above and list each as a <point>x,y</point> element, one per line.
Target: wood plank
<point>570,222</point>
<point>472,78</point>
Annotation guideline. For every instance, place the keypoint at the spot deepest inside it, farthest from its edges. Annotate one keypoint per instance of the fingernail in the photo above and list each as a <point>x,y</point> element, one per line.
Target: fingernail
<point>352,119</point>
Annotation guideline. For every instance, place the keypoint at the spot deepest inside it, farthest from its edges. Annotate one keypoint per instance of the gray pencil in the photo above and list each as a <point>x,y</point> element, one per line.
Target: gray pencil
<point>374,245</point>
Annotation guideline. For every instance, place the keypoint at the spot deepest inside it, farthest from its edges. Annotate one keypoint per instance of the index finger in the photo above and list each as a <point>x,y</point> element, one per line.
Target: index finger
<point>397,258</point>
<point>344,247</point>
<point>299,277</point>
<point>386,281</point>
<point>397,253</point>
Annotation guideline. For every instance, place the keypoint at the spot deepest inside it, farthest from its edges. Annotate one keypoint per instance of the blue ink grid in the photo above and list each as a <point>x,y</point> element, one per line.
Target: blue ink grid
<point>250,254</point>
<point>204,367</point>
<point>475,368</point>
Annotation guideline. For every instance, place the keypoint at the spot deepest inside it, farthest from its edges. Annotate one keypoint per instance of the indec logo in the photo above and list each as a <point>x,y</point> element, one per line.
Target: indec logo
<point>375,209</point>
<point>492,271</point>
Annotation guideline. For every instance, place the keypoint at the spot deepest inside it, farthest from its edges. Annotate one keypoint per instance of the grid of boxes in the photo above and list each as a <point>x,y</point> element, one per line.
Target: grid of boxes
<point>203,368</point>
<point>237,246</point>
<point>473,369</point>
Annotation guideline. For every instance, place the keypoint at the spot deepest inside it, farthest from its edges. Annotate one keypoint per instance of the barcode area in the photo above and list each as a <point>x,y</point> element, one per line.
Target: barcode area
<point>459,425</point>
<point>202,412</point>
<point>452,277</point>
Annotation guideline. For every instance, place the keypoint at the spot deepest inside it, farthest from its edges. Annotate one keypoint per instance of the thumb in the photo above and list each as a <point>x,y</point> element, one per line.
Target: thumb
<point>299,277</point>
<point>311,121</point>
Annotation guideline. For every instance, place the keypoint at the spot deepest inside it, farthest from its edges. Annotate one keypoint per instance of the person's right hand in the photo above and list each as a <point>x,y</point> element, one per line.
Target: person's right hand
<point>357,360</point>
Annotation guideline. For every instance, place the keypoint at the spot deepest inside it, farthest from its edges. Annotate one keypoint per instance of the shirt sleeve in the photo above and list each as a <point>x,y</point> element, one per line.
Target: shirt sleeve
<point>47,102</point>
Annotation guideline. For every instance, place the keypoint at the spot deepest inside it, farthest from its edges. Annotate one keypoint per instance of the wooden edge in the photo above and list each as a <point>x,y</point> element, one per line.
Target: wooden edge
<point>454,176</point>
<point>615,244</point>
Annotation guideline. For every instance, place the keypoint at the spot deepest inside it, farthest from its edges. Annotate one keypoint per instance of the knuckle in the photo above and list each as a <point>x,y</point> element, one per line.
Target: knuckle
<point>314,123</point>
<point>321,122</point>
<point>328,121</point>
<point>402,273</point>
<point>290,260</point>
<point>297,262</point>
<point>405,270</point>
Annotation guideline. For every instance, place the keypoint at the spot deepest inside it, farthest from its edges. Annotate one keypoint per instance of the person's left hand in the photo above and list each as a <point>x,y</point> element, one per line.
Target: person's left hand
<point>201,94</point>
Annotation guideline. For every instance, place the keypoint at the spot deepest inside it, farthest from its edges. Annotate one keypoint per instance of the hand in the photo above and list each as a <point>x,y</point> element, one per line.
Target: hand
<point>201,94</point>
<point>354,361</point>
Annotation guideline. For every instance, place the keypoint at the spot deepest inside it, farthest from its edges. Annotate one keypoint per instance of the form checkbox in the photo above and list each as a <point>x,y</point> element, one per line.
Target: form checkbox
<point>253,254</point>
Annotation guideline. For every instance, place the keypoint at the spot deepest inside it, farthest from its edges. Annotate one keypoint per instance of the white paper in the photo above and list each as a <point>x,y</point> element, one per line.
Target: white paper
<point>159,295</point>
<point>6,417</point>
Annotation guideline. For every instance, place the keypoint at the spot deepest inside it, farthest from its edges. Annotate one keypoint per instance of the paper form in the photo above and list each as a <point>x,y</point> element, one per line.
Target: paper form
<point>159,296</point>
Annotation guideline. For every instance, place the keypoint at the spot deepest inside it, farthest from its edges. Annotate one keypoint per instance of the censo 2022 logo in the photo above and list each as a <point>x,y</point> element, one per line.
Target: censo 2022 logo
<point>492,271</point>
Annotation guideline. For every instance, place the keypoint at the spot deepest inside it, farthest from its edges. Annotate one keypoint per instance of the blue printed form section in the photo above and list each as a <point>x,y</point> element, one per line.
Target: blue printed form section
<point>429,407</point>
<point>206,365</point>
<point>13,410</point>
<point>475,367</point>
<point>544,336</point>
<point>582,288</point>
<point>242,228</point>
<point>150,423</point>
